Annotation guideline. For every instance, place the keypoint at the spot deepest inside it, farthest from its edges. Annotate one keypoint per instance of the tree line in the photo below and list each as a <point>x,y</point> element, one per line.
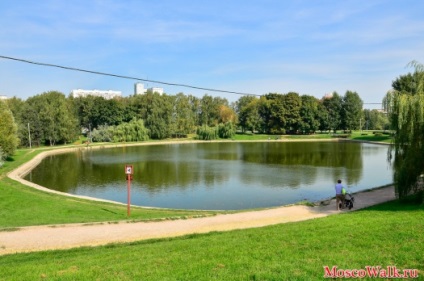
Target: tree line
<point>52,118</point>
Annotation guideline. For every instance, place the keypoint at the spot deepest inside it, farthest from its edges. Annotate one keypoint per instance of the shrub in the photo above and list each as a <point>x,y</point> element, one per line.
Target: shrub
<point>207,133</point>
<point>227,130</point>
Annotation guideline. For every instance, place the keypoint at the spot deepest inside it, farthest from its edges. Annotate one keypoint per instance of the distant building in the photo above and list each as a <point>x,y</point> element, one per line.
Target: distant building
<point>156,90</point>
<point>97,93</point>
<point>139,89</point>
<point>328,95</point>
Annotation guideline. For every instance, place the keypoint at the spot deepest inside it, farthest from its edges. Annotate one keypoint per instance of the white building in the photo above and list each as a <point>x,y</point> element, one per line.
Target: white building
<point>156,90</point>
<point>139,89</point>
<point>329,95</point>
<point>97,93</point>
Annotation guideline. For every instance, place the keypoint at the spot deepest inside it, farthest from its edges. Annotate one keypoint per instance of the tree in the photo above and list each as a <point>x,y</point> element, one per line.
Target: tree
<point>406,83</point>
<point>351,113</point>
<point>51,117</point>
<point>309,114</point>
<point>253,120</point>
<point>406,111</point>
<point>157,111</point>
<point>226,130</point>
<point>292,104</point>
<point>227,114</point>
<point>210,110</point>
<point>8,132</point>
<point>375,120</point>
<point>243,112</point>
<point>183,117</point>
<point>16,106</point>
<point>333,105</point>
<point>272,112</point>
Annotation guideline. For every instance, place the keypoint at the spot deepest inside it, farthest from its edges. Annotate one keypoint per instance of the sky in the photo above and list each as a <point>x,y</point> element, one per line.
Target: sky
<point>256,47</point>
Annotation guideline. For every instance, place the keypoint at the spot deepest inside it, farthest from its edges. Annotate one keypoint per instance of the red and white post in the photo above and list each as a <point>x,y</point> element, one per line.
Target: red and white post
<point>129,171</point>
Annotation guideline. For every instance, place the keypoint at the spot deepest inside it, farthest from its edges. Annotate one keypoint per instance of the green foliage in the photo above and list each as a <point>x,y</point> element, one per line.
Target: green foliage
<point>406,83</point>
<point>156,110</point>
<point>292,104</point>
<point>375,120</point>
<point>207,133</point>
<point>8,132</point>
<point>351,111</point>
<point>209,110</point>
<point>406,112</point>
<point>309,114</point>
<point>226,130</point>
<point>124,132</point>
<point>102,134</point>
<point>333,105</point>
<point>51,117</point>
<point>247,109</point>
<point>183,116</point>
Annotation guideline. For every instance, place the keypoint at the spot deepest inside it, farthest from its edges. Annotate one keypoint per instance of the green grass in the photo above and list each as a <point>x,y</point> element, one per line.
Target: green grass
<point>389,234</point>
<point>253,137</point>
<point>369,136</point>
<point>22,206</point>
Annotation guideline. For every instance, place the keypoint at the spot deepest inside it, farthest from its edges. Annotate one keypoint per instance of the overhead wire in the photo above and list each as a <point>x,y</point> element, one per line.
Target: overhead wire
<point>132,78</point>
<point>126,77</point>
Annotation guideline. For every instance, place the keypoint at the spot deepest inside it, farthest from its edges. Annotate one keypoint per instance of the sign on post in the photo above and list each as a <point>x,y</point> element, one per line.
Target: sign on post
<point>129,171</point>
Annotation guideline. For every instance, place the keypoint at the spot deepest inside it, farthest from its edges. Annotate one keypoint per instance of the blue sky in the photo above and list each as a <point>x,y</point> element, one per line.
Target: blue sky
<point>258,47</point>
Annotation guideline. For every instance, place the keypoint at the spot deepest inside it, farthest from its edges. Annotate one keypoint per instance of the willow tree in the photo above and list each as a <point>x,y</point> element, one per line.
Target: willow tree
<point>406,112</point>
<point>8,132</point>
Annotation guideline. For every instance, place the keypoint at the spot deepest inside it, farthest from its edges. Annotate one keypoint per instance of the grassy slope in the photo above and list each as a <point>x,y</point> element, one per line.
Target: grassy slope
<point>21,205</point>
<point>387,235</point>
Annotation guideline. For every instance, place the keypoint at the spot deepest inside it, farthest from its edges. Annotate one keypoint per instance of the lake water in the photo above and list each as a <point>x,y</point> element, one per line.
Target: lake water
<point>218,176</point>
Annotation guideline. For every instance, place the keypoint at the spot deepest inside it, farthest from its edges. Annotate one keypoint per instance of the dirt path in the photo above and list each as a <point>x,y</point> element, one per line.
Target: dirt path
<point>38,238</point>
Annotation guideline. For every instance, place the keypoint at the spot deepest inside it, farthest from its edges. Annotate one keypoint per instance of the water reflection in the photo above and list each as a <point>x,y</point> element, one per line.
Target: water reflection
<point>217,175</point>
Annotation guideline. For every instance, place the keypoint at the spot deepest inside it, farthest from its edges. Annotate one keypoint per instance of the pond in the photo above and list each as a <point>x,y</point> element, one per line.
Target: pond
<point>217,176</point>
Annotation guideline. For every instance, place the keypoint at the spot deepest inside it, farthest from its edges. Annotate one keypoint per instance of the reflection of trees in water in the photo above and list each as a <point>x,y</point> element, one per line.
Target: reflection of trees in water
<point>58,171</point>
<point>344,158</point>
<point>277,177</point>
<point>187,166</point>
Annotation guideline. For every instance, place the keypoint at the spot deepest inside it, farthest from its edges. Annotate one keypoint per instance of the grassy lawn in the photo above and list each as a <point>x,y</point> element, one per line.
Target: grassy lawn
<point>389,234</point>
<point>254,137</point>
<point>370,136</point>
<point>22,206</point>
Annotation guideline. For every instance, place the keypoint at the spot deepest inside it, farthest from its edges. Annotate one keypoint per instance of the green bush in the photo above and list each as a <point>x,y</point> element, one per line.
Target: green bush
<point>125,132</point>
<point>227,130</point>
<point>207,133</point>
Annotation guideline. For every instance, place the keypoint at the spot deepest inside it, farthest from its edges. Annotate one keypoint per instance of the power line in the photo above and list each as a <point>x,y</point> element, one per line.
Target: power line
<point>135,78</point>
<point>127,77</point>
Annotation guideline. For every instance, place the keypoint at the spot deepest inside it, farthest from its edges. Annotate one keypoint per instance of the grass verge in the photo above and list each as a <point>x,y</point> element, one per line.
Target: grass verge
<point>22,206</point>
<point>389,234</point>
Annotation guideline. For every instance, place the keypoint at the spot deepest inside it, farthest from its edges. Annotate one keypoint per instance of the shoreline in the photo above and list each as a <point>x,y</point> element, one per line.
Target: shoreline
<point>20,172</point>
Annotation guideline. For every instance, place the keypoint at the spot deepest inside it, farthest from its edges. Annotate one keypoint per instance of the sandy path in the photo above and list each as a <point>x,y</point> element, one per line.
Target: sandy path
<point>38,238</point>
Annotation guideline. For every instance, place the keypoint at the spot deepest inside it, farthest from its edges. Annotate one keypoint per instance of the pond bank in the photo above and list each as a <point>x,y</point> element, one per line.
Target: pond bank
<point>40,238</point>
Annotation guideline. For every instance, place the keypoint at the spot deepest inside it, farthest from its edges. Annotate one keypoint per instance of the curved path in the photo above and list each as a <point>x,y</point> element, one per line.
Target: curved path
<point>38,238</point>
